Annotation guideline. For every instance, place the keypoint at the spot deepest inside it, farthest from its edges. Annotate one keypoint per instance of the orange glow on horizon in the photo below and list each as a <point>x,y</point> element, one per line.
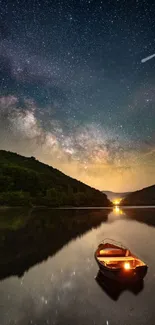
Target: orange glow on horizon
<point>117,201</point>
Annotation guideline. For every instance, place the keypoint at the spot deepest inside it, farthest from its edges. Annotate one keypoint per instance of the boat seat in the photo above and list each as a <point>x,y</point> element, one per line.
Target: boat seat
<point>112,252</point>
<point>113,258</point>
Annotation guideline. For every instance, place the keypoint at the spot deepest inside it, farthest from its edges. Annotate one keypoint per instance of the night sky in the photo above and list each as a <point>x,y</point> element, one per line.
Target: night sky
<point>75,91</point>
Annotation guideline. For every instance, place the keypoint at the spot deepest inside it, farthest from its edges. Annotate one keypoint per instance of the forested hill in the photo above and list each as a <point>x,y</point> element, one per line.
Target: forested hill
<point>26,181</point>
<point>146,196</point>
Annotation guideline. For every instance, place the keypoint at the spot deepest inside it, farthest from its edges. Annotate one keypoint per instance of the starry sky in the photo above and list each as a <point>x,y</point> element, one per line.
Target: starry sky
<point>75,91</point>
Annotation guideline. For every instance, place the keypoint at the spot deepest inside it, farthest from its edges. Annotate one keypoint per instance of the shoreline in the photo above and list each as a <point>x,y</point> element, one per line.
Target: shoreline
<point>77,207</point>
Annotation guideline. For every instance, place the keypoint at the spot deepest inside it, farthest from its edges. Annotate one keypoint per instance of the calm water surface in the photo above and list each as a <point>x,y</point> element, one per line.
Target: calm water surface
<point>51,279</point>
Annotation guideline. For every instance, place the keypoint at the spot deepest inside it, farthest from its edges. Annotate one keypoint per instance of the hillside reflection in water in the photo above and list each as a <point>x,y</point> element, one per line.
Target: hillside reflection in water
<point>55,262</point>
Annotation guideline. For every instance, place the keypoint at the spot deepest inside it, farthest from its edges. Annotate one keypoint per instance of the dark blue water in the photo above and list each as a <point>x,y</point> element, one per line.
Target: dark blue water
<point>63,290</point>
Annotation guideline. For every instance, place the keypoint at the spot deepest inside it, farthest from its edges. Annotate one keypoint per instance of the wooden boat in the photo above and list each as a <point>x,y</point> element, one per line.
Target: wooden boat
<point>117,262</point>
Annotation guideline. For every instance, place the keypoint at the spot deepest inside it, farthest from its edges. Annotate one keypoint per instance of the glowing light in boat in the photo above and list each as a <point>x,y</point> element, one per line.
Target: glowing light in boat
<point>127,266</point>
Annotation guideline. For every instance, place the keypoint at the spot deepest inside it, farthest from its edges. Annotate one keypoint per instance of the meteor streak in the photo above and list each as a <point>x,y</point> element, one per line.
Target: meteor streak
<point>148,58</point>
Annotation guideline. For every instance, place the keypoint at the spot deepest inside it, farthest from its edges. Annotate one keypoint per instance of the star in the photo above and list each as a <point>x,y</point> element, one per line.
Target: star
<point>73,89</point>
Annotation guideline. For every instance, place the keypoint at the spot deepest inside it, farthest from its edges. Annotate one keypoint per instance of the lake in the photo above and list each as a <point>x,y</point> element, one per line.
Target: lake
<point>48,271</point>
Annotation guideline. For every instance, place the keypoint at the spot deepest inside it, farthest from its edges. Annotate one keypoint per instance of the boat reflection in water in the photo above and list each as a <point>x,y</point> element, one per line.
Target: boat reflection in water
<point>114,288</point>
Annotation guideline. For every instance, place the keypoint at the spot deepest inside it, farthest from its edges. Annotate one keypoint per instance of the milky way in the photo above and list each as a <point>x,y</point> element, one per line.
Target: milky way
<point>73,91</point>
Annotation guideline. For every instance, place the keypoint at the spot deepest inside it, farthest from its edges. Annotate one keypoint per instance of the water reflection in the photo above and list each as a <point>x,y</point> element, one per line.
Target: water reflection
<point>145,214</point>
<point>114,289</point>
<point>60,288</point>
<point>117,210</point>
<point>28,239</point>
<point>116,213</point>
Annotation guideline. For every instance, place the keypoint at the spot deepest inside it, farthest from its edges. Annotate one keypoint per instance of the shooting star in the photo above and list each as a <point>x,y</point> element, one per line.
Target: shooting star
<point>148,58</point>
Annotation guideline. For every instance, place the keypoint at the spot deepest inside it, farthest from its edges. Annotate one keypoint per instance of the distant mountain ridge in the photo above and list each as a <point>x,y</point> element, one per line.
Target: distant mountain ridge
<point>145,196</point>
<point>112,195</point>
<point>26,181</point>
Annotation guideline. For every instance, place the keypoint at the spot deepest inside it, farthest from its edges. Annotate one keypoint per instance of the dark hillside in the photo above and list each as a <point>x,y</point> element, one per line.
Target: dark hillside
<point>146,196</point>
<point>26,181</point>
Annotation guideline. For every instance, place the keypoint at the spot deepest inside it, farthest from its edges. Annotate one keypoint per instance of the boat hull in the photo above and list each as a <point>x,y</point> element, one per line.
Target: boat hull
<point>120,275</point>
